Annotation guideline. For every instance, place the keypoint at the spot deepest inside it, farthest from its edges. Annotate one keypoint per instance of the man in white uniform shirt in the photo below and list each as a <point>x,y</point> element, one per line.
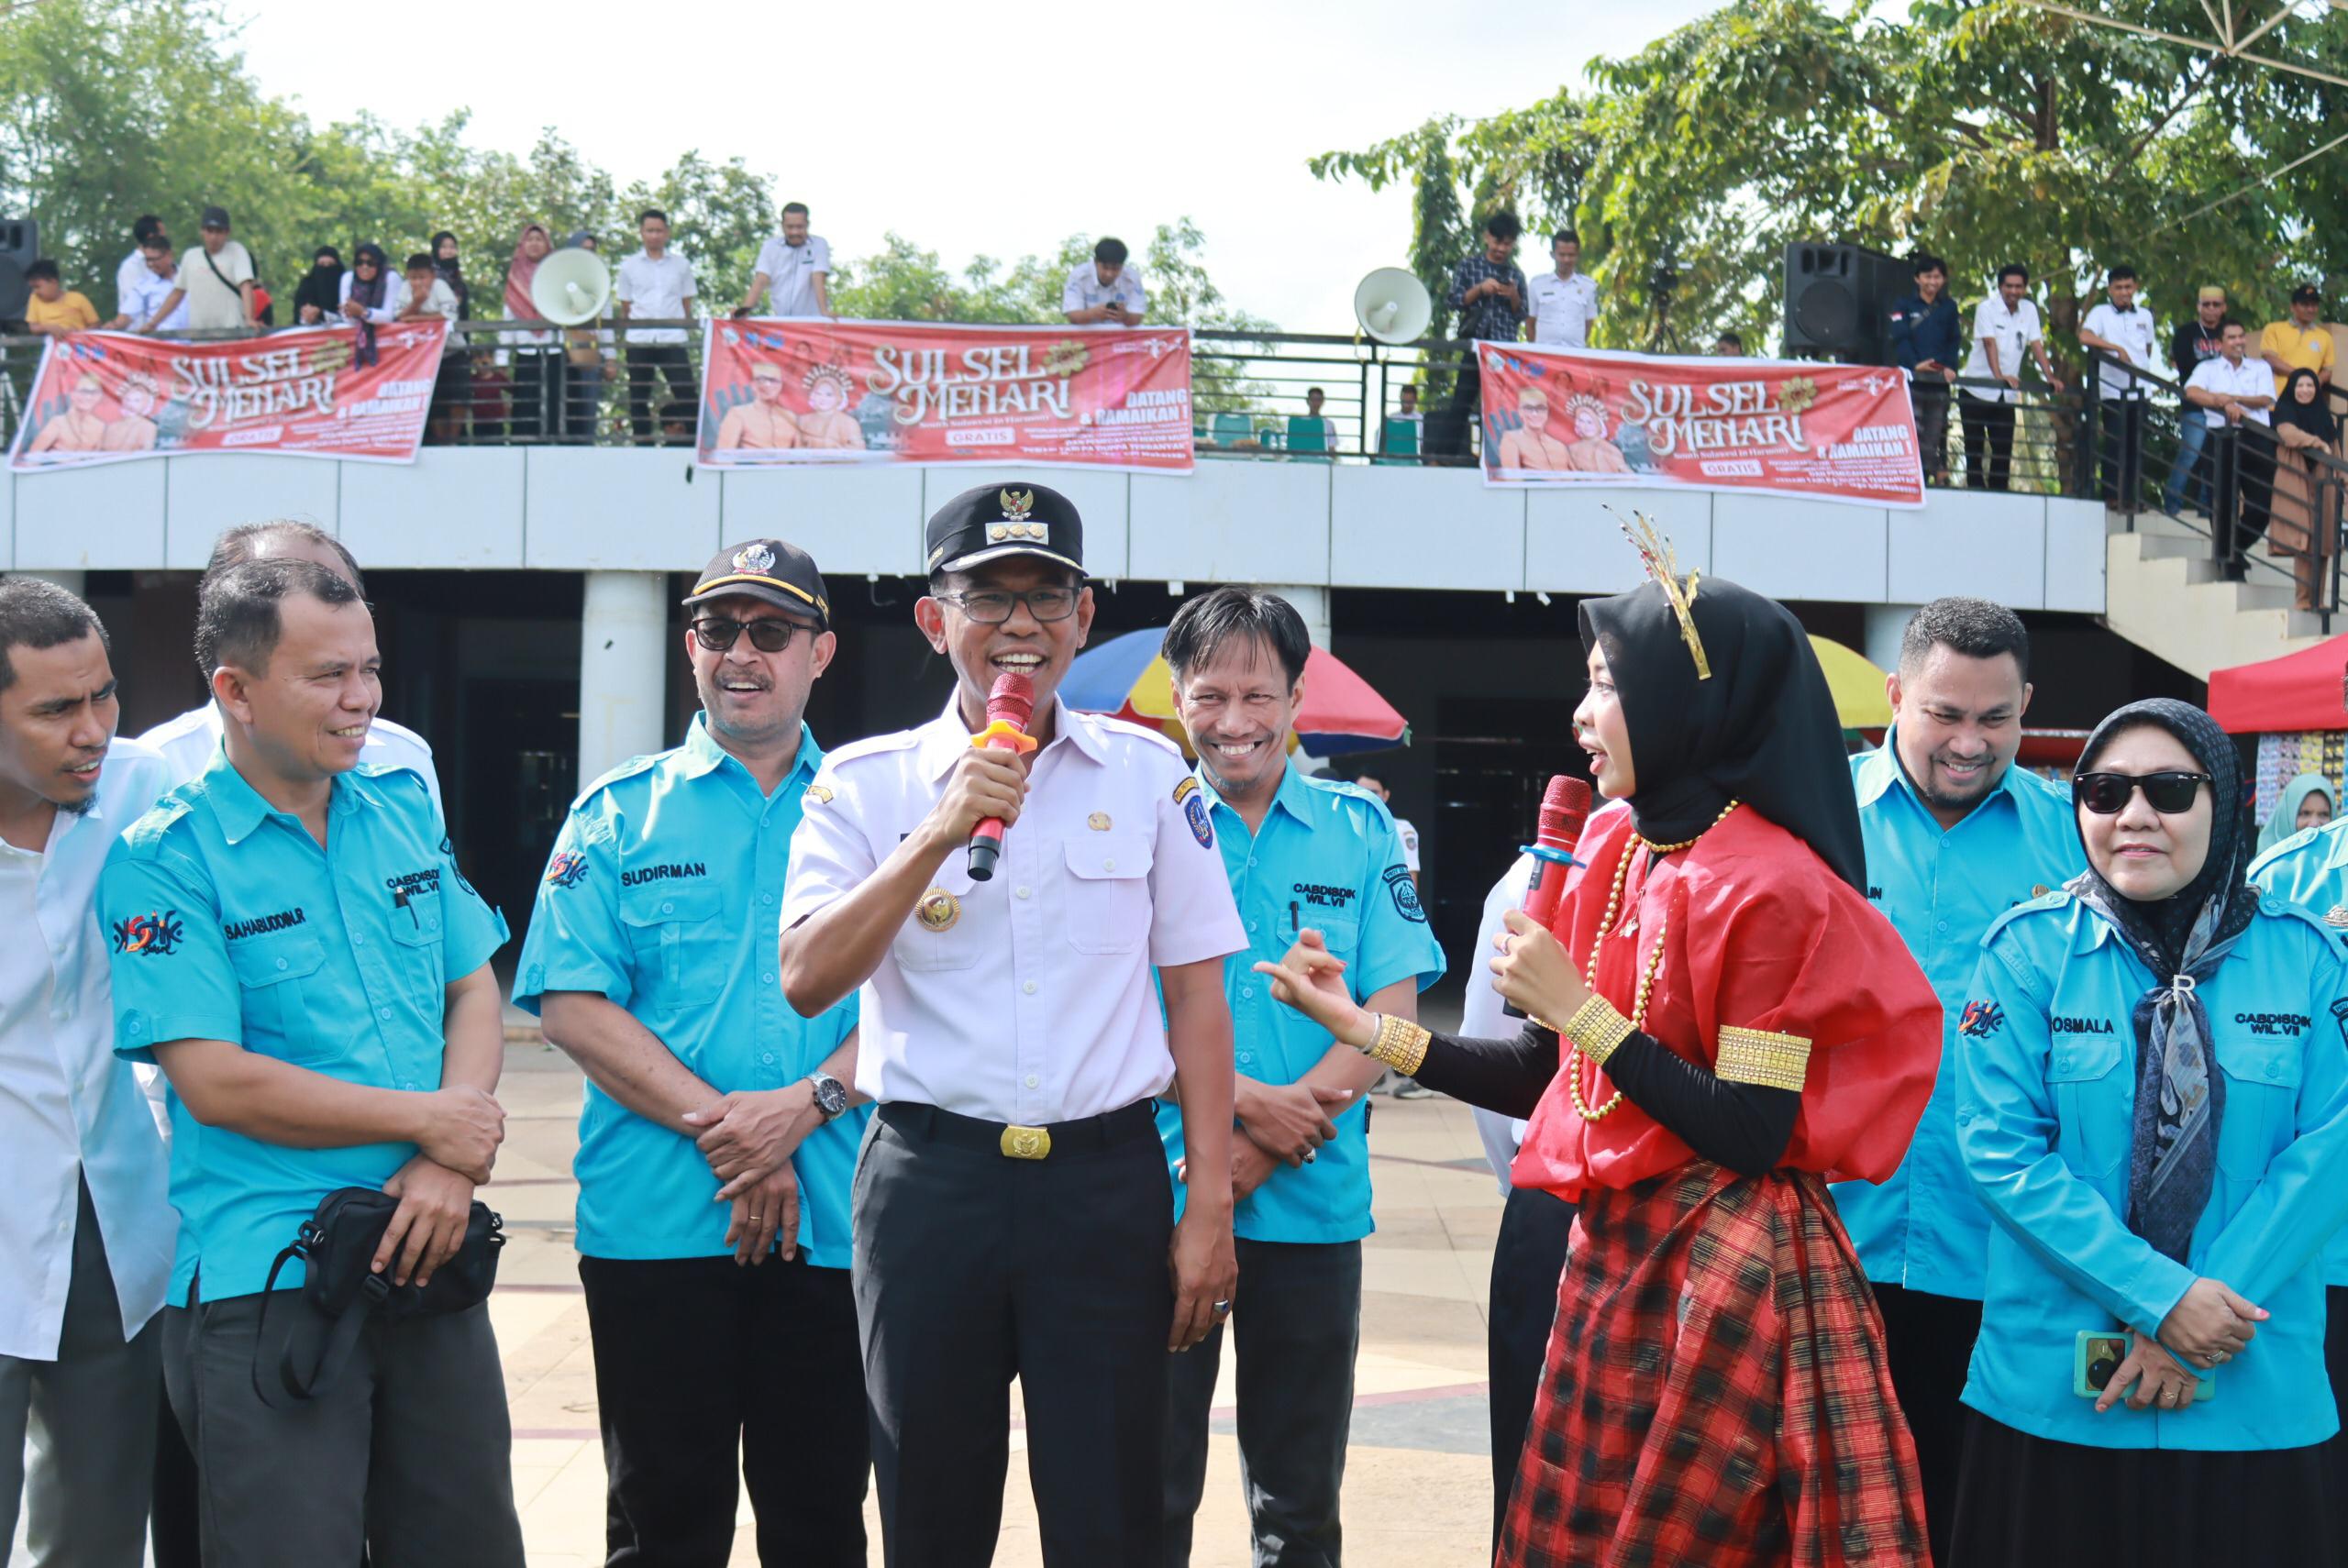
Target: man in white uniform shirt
<point>795,266</point>
<point>1106,291</point>
<point>140,294</point>
<point>657,284</point>
<point>86,1225</point>
<point>126,271</point>
<point>2005,331</point>
<point>1012,1212</point>
<point>188,742</point>
<point>2120,326</point>
<point>1564,302</point>
<point>2235,393</point>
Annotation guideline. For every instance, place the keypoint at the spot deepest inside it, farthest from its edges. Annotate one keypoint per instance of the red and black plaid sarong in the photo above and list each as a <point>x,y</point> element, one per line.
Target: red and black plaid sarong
<point>1716,1390</point>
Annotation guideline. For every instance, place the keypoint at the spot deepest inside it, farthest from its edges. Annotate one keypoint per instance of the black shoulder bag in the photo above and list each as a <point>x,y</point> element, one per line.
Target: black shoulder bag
<point>336,1245</point>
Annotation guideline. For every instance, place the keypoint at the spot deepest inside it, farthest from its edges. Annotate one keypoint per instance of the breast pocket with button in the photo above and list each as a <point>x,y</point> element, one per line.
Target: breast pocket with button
<point>677,936</point>
<point>1107,905</point>
<point>2261,1077</point>
<point>423,956</point>
<point>271,969</point>
<point>2094,1104</point>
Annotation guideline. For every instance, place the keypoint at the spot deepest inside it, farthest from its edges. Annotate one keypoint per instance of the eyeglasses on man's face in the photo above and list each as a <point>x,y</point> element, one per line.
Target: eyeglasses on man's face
<point>769,633</point>
<point>993,606</point>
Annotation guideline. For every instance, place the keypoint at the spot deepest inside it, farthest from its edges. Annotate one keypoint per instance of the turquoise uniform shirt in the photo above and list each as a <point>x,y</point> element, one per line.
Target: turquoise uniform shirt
<point>1327,856</point>
<point>2046,1093</point>
<point>227,922</point>
<point>1925,1227</point>
<point>662,895</point>
<point>2310,869</point>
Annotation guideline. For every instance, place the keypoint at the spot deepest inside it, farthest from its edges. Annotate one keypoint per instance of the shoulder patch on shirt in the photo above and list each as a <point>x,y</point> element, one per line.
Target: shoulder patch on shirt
<point>1981,1019</point>
<point>1194,812</point>
<point>1188,786</point>
<point>156,933</point>
<point>1405,894</point>
<point>566,870</point>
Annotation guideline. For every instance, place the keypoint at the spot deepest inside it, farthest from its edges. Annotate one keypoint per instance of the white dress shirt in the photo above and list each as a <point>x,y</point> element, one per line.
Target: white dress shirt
<point>2252,378</point>
<point>2013,331</point>
<point>790,273</point>
<point>2132,330</point>
<point>1562,308</point>
<point>188,742</point>
<point>1085,290</point>
<point>143,294</point>
<point>1028,999</point>
<point>655,291</point>
<point>70,1109</point>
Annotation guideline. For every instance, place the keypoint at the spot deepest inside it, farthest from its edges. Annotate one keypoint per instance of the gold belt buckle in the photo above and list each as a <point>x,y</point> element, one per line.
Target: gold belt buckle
<point>1026,1143</point>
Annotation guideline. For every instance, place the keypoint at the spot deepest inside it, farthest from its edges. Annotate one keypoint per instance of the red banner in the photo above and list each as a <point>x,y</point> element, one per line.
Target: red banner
<point>815,390</point>
<point>1772,427</point>
<point>109,397</point>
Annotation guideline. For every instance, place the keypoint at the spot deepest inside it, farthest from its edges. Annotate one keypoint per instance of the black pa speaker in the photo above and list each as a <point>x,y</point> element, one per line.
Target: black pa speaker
<point>19,244</point>
<point>1838,300</point>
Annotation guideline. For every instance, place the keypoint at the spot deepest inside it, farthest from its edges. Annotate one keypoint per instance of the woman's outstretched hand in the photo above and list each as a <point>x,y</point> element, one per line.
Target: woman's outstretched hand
<point>1312,979</point>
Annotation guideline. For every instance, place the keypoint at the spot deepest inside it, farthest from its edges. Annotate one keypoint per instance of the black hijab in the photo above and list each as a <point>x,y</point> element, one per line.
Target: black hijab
<point>1762,730</point>
<point>375,293</point>
<point>322,284</point>
<point>2180,1095</point>
<point>2316,418</point>
<point>452,272</point>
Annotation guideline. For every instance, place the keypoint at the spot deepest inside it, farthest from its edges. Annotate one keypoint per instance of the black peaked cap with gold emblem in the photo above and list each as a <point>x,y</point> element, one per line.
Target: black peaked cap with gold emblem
<point>782,574</point>
<point>994,521</point>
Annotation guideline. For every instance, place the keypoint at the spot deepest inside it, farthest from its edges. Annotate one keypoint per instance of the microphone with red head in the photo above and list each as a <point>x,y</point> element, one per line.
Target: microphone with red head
<point>1565,808</point>
<point>1010,706</point>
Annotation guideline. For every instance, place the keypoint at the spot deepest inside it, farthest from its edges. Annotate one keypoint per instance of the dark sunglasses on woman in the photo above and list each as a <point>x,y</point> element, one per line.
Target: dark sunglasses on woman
<point>769,635</point>
<point>2169,793</point>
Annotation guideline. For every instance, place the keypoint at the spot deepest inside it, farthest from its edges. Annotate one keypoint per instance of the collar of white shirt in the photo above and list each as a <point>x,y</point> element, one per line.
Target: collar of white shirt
<point>944,738</point>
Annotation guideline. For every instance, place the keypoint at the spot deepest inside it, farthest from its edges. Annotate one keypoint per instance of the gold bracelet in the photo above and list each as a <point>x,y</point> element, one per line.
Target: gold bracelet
<point>1596,1028</point>
<point>1760,1056</point>
<point>1399,1044</point>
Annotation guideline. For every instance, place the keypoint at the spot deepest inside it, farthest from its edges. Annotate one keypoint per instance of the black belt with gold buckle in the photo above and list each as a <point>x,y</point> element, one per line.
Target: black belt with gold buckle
<point>1014,1140</point>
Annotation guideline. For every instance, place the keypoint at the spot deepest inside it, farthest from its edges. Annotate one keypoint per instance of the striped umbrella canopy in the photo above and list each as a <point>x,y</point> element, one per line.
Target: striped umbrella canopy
<point>1125,677</point>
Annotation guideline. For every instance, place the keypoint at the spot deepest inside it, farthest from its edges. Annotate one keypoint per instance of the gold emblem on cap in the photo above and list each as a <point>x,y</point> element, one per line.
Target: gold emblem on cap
<point>1016,505</point>
<point>755,559</point>
<point>1098,821</point>
<point>938,909</point>
<point>2336,915</point>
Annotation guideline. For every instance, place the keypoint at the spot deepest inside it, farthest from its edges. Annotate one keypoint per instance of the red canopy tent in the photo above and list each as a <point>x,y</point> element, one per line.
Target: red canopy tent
<point>2297,691</point>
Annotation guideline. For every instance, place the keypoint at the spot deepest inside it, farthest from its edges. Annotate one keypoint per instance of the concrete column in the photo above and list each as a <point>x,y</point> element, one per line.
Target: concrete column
<point>622,665</point>
<point>71,581</point>
<point>1885,625</point>
<point>1311,601</point>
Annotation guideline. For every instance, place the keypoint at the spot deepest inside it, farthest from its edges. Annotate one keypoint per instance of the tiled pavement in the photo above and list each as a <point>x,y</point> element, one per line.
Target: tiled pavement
<point>1417,1480</point>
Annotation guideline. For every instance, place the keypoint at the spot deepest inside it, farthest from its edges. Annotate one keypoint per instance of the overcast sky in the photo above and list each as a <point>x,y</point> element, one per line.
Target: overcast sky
<point>996,129</point>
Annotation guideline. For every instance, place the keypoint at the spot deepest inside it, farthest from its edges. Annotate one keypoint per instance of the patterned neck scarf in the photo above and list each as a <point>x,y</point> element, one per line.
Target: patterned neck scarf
<point>2182,940</point>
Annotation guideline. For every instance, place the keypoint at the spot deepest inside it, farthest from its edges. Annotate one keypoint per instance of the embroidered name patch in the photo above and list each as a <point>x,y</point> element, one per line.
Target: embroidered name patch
<point>237,930</point>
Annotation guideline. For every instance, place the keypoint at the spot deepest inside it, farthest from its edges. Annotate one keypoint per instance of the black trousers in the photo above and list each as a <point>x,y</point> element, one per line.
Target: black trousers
<point>973,1268</point>
<point>1930,395</point>
<point>171,1528</point>
<point>1297,1325</point>
<point>698,1359</point>
<point>672,364</point>
<point>1447,433</point>
<point>2120,441</point>
<point>2242,489</point>
<point>1929,1341</point>
<point>1528,1259</point>
<point>1987,425</point>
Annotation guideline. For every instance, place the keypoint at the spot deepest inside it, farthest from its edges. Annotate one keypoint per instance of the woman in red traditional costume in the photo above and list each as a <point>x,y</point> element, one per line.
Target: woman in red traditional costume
<point>1743,1028</point>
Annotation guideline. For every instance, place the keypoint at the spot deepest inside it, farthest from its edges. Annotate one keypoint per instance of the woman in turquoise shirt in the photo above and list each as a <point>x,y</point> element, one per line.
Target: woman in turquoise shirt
<point>2153,1099</point>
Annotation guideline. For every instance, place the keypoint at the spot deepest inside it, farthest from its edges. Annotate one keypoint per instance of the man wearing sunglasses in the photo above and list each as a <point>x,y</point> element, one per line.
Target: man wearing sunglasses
<point>717,1140</point>
<point>1956,836</point>
<point>1013,1216</point>
<point>2310,869</point>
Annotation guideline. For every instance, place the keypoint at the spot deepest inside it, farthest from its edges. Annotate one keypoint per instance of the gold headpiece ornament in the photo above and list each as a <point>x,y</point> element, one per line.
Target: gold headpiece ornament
<point>1656,554</point>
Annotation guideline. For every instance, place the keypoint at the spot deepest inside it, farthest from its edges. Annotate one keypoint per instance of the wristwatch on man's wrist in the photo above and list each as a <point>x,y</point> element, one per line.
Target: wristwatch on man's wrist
<point>831,1095</point>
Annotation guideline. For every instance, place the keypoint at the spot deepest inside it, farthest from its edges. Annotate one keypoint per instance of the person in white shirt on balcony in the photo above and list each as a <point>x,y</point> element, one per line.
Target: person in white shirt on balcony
<point>795,266</point>
<point>1106,291</point>
<point>2236,393</point>
<point>86,1224</point>
<point>2004,333</point>
<point>1564,302</point>
<point>2122,327</point>
<point>655,283</point>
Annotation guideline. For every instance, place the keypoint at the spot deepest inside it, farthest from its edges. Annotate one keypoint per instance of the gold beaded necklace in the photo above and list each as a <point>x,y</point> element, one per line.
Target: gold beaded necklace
<point>1646,975</point>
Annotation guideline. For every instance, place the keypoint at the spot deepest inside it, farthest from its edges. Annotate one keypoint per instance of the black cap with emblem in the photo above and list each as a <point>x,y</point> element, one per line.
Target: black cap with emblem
<point>994,521</point>
<point>783,575</point>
